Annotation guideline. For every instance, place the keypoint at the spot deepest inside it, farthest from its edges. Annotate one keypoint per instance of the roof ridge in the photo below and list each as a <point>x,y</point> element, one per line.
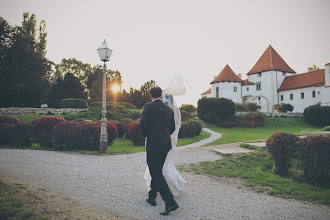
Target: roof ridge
<point>271,57</point>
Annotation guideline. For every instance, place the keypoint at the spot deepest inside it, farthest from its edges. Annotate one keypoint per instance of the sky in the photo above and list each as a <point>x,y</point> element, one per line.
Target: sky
<point>156,40</point>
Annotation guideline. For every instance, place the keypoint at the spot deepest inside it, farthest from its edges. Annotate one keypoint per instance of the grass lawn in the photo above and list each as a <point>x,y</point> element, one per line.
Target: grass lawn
<point>256,169</point>
<point>272,125</point>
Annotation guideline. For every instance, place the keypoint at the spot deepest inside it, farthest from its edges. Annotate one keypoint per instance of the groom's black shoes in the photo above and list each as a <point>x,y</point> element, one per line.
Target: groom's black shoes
<point>169,209</point>
<point>151,201</point>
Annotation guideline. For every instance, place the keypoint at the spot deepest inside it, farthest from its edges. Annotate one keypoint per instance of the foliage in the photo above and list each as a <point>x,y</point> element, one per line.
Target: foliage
<point>280,147</point>
<point>31,117</point>
<point>197,125</point>
<point>215,110</point>
<point>187,130</point>
<point>314,154</point>
<point>24,68</point>
<point>42,129</point>
<point>283,107</point>
<point>185,116</point>
<point>317,115</point>
<point>69,135</point>
<point>134,134</point>
<point>326,128</point>
<point>66,87</point>
<point>5,132</point>
<point>115,111</point>
<point>227,124</point>
<point>188,108</point>
<point>21,134</point>
<point>74,103</point>
<point>8,119</point>
<point>239,107</point>
<point>250,120</point>
<point>126,120</point>
<point>121,129</point>
<point>250,107</point>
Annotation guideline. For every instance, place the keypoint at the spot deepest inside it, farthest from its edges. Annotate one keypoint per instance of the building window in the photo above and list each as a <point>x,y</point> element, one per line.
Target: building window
<point>217,92</point>
<point>258,85</point>
<point>318,92</point>
<point>291,96</point>
<point>281,97</point>
<point>259,74</point>
<point>258,98</point>
<point>235,88</point>
<point>313,94</point>
<point>302,95</point>
<point>247,89</point>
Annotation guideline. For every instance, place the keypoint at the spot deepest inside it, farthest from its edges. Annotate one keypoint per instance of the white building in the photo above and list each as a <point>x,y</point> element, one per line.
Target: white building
<point>271,81</point>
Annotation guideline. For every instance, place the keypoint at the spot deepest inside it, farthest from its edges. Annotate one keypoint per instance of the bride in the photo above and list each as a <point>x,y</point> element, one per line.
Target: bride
<point>174,180</point>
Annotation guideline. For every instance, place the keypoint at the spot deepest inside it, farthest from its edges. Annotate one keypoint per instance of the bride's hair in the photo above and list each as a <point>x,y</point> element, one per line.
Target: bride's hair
<point>155,92</point>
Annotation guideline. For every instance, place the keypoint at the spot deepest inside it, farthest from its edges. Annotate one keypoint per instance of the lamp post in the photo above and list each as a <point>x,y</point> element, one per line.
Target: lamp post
<point>104,53</point>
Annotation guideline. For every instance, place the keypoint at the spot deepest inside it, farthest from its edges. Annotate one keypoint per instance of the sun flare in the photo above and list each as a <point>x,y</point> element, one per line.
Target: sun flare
<point>115,88</point>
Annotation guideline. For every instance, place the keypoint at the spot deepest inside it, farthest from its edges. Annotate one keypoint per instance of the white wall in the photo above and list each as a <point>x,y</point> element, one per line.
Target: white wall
<point>226,90</point>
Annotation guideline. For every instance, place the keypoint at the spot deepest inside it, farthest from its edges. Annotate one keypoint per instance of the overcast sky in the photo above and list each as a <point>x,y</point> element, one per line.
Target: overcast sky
<point>154,40</point>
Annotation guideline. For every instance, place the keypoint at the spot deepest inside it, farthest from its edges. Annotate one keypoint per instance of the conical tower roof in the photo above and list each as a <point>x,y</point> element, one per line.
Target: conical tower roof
<point>270,60</point>
<point>226,74</point>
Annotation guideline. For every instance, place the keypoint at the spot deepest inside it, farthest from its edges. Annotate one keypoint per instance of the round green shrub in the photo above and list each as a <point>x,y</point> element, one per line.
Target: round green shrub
<point>198,126</point>
<point>74,103</point>
<point>215,110</point>
<point>187,130</point>
<point>250,107</point>
<point>185,116</point>
<point>281,147</point>
<point>283,107</point>
<point>326,128</point>
<point>317,115</point>
<point>8,119</point>
<point>126,120</point>
<point>188,108</point>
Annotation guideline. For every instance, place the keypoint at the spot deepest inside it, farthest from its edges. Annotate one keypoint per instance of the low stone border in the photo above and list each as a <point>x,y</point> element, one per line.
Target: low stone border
<point>37,111</point>
<point>276,114</point>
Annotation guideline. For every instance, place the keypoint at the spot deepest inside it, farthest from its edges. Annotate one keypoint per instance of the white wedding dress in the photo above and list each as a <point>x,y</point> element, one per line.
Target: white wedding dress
<point>174,180</point>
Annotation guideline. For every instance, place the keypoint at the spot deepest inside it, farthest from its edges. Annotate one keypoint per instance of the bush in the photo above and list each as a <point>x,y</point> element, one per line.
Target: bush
<point>121,129</point>
<point>254,119</point>
<point>250,107</point>
<point>8,120</point>
<point>5,131</point>
<point>215,110</point>
<point>227,124</point>
<point>317,115</point>
<point>187,130</point>
<point>283,107</point>
<point>112,132</point>
<point>314,154</point>
<point>42,129</point>
<point>126,120</point>
<point>326,128</point>
<point>134,134</point>
<point>69,135</point>
<point>74,103</point>
<point>197,125</point>
<point>281,147</point>
<point>188,108</point>
<point>21,134</point>
<point>185,116</point>
<point>239,107</point>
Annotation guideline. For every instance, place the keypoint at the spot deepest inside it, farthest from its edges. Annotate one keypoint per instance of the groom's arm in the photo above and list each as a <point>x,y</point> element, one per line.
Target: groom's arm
<point>143,125</point>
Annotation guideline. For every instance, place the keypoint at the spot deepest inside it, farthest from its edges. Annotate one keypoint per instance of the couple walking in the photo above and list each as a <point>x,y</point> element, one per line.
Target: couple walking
<point>160,124</point>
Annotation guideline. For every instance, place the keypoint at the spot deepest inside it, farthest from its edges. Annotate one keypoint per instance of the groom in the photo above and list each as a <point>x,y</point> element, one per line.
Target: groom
<point>157,124</point>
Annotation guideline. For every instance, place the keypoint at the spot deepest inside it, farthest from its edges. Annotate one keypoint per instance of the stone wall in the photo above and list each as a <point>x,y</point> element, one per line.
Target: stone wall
<point>37,111</point>
<point>277,114</point>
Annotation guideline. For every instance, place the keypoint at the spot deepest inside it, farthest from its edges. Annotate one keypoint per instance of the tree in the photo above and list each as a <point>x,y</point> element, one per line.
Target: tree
<point>24,68</point>
<point>68,86</point>
<point>77,68</point>
<point>314,68</point>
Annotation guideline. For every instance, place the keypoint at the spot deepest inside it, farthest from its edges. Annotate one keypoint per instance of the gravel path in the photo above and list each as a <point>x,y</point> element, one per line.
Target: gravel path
<point>115,184</point>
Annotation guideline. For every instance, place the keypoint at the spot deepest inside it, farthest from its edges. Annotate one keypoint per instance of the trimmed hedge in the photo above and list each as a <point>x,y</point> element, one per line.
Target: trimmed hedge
<point>188,108</point>
<point>21,134</point>
<point>5,133</point>
<point>250,120</point>
<point>250,107</point>
<point>187,130</point>
<point>215,110</point>
<point>317,115</point>
<point>121,129</point>
<point>134,134</point>
<point>185,116</point>
<point>8,120</point>
<point>197,125</point>
<point>283,107</point>
<point>280,147</point>
<point>74,103</point>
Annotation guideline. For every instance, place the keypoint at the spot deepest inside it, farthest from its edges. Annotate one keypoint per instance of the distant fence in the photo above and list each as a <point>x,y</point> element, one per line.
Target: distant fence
<point>277,114</point>
<point>37,111</point>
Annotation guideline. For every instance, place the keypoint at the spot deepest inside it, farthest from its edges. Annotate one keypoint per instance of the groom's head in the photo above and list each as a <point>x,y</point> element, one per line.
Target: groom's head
<point>155,92</point>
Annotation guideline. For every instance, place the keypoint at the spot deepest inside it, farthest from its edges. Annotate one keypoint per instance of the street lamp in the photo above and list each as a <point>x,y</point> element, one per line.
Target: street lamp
<point>104,53</point>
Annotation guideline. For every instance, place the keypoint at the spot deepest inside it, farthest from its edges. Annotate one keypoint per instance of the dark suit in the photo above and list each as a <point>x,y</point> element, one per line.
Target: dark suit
<point>157,124</point>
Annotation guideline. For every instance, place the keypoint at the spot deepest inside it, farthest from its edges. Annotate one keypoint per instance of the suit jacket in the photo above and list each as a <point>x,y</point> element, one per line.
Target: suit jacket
<point>157,124</point>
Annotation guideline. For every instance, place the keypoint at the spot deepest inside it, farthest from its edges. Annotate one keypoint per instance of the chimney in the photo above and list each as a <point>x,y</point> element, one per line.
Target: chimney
<point>310,69</point>
<point>239,75</point>
<point>327,74</point>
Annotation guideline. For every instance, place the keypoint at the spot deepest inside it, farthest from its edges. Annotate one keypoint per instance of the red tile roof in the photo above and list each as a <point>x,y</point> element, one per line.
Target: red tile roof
<point>207,91</point>
<point>270,60</point>
<point>247,83</point>
<point>226,74</point>
<point>314,78</point>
